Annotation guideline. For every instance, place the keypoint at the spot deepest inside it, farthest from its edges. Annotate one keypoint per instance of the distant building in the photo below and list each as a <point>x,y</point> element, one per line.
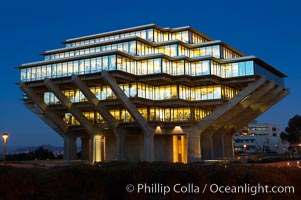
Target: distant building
<point>260,137</point>
<point>149,93</point>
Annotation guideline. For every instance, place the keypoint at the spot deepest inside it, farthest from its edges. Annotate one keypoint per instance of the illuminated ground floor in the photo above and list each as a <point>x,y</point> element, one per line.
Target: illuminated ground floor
<point>167,148</point>
<point>131,146</point>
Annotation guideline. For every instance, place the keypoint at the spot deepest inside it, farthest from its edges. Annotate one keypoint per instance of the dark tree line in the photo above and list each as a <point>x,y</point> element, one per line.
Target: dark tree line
<point>293,131</point>
<point>39,154</point>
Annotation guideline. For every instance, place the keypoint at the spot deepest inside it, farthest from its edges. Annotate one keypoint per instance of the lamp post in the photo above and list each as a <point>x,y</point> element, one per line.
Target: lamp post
<point>4,136</point>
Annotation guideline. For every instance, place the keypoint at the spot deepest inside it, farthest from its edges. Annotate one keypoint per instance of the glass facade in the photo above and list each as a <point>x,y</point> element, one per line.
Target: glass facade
<point>141,49</point>
<point>149,34</point>
<point>152,114</point>
<point>127,47</point>
<point>149,92</point>
<point>259,70</point>
<point>228,54</point>
<point>144,67</point>
<point>235,69</point>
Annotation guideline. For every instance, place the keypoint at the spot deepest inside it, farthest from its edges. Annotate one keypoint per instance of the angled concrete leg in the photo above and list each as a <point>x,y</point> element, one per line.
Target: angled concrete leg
<point>85,148</point>
<point>228,146</point>
<point>70,106</point>
<point>194,148</point>
<point>99,107</point>
<point>49,116</point>
<point>207,147</point>
<point>207,122</point>
<point>143,124</point>
<point>70,148</point>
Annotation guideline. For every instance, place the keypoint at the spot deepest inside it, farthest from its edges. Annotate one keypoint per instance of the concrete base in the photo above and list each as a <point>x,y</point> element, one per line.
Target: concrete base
<point>207,147</point>
<point>163,148</point>
<point>84,149</point>
<point>218,145</point>
<point>228,146</point>
<point>70,148</point>
<point>194,148</point>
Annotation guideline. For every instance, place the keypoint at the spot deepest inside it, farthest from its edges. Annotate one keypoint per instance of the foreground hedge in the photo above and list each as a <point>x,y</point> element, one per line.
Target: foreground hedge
<point>109,181</point>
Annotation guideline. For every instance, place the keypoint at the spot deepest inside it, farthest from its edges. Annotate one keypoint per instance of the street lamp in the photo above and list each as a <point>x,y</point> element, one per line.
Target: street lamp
<point>276,148</point>
<point>245,150</point>
<point>245,147</point>
<point>4,136</point>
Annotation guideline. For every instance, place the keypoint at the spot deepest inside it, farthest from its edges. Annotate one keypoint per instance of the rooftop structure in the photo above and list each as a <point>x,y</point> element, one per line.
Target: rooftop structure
<point>149,93</point>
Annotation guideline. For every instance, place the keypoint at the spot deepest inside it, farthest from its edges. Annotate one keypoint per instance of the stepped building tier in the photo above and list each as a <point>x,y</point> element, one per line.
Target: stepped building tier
<point>149,94</point>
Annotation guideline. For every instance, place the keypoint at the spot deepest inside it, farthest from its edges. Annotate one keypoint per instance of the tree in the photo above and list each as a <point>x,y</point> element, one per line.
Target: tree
<point>43,154</point>
<point>293,131</point>
<point>39,153</point>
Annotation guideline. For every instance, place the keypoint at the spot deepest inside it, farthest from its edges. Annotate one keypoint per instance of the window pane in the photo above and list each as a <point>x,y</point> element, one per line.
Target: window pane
<point>185,36</point>
<point>132,47</point>
<point>93,65</point>
<point>150,65</point>
<point>205,66</point>
<point>98,64</point>
<point>150,35</point>
<point>105,63</point>
<point>157,65</point>
<point>23,74</point>
<point>81,67</point>
<point>87,66</point>
<point>249,68</point>
<point>216,51</point>
<point>242,68</point>
<point>59,69</point>
<point>234,69</point>
<point>64,69</point>
<point>70,68</point>
<point>133,90</point>
<point>198,68</point>
<point>112,62</point>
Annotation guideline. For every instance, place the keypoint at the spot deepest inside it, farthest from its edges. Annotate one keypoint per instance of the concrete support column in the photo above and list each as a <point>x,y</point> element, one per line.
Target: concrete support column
<point>228,146</point>
<point>120,145</point>
<point>70,148</point>
<point>85,148</point>
<point>207,147</point>
<point>218,145</point>
<point>149,153</point>
<point>91,150</point>
<point>194,148</point>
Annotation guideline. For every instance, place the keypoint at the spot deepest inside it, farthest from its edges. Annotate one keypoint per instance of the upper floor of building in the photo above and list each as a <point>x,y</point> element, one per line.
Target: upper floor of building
<point>148,49</point>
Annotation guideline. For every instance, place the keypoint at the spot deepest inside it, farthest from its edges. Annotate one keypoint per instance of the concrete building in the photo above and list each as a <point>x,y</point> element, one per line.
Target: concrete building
<point>149,93</point>
<point>260,137</point>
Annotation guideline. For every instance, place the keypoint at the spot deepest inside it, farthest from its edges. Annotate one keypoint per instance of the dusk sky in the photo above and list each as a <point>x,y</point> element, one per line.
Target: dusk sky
<point>270,30</point>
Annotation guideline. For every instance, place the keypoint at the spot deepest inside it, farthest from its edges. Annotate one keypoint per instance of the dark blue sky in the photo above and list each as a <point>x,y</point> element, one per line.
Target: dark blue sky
<point>270,30</point>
